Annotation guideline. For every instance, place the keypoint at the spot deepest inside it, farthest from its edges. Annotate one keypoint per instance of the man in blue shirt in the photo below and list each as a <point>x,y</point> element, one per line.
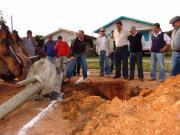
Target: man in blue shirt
<point>49,50</point>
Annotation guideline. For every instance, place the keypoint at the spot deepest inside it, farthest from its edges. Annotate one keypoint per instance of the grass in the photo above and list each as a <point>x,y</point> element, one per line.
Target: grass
<point>93,63</point>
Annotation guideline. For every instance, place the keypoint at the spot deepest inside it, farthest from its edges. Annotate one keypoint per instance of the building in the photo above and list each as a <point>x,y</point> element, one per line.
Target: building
<point>142,26</point>
<point>67,35</point>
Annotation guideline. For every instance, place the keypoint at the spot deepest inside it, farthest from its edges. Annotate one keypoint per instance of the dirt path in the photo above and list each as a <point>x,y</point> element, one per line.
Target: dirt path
<point>55,121</point>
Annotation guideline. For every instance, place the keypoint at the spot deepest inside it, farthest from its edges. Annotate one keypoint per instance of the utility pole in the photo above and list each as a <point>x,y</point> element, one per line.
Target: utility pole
<point>11,23</point>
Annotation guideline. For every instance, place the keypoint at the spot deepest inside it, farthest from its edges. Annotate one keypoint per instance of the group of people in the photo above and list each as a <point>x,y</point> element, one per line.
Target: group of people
<point>134,42</point>
<point>114,49</point>
<point>60,50</point>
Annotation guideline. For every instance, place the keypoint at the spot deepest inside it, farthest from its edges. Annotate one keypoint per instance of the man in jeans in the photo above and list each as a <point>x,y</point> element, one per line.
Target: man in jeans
<point>103,49</point>
<point>63,50</point>
<point>160,43</point>
<point>79,50</point>
<point>136,43</point>
<point>49,50</point>
<point>175,44</point>
<point>121,52</point>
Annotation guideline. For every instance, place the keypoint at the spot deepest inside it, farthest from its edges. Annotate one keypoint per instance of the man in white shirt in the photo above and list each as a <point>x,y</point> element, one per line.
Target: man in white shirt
<point>121,52</point>
<point>103,49</point>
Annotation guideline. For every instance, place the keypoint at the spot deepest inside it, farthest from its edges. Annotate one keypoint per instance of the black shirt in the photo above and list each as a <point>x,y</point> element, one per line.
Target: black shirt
<point>135,42</point>
<point>81,46</point>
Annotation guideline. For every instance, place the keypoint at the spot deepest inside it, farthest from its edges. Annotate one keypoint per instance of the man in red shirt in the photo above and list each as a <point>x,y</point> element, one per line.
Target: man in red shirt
<point>63,50</point>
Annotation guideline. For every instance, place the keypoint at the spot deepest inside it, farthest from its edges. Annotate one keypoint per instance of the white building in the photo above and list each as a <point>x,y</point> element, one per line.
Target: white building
<point>142,26</point>
<point>67,35</point>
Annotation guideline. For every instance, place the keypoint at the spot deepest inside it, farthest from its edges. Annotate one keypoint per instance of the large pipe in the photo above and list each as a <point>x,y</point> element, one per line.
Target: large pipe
<point>19,99</point>
<point>25,82</point>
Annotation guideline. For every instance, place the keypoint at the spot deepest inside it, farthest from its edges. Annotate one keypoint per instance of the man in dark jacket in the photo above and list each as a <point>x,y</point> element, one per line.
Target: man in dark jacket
<point>136,43</point>
<point>79,49</point>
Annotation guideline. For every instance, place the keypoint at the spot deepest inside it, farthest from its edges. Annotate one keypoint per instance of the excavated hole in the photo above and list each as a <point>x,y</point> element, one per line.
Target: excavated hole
<point>108,89</point>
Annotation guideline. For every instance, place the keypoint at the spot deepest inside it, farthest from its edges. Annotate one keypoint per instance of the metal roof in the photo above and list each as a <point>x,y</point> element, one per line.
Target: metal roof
<point>121,18</point>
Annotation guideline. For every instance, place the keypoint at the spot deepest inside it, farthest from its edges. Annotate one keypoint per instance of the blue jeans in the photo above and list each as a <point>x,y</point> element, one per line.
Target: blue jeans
<point>121,54</point>
<point>157,58</point>
<point>112,57</point>
<point>71,65</point>
<point>136,57</point>
<point>103,59</point>
<point>175,65</point>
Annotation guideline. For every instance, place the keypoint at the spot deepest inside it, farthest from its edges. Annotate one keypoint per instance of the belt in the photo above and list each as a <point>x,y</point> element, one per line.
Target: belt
<point>176,50</point>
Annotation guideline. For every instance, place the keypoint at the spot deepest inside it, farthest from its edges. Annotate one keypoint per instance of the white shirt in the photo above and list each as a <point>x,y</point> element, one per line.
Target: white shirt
<point>167,39</point>
<point>121,38</point>
<point>102,44</point>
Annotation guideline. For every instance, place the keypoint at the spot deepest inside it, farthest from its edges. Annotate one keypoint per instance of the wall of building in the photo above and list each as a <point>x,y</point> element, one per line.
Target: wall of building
<point>67,36</point>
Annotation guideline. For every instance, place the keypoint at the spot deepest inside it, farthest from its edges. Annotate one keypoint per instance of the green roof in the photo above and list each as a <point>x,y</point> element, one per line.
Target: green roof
<point>121,18</point>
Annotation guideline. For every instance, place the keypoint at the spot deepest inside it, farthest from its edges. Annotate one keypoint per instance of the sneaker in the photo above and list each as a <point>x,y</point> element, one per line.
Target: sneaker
<point>108,75</point>
<point>116,77</point>
<point>86,80</point>
<point>141,79</point>
<point>131,78</point>
<point>152,80</point>
<point>161,81</point>
<point>67,80</point>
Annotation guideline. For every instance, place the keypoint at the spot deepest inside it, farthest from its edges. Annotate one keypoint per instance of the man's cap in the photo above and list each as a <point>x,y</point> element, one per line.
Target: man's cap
<point>174,19</point>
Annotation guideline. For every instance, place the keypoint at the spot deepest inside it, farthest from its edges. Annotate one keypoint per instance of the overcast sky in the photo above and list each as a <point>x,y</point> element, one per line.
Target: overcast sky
<point>45,16</point>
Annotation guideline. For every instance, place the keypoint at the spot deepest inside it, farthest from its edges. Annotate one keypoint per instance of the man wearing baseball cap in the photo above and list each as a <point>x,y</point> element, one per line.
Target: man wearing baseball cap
<point>175,44</point>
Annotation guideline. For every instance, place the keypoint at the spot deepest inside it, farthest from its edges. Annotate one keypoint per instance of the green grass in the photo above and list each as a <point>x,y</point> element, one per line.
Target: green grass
<point>93,63</point>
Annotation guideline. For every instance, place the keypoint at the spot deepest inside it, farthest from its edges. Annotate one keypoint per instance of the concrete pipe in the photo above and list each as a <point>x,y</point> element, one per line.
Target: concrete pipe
<point>25,82</point>
<point>19,99</point>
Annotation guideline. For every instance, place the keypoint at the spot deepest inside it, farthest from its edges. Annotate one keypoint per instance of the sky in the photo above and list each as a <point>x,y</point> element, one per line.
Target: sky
<point>46,16</point>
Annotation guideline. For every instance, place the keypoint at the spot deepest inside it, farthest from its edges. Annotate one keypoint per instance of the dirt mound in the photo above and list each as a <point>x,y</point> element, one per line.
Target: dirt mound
<point>156,113</point>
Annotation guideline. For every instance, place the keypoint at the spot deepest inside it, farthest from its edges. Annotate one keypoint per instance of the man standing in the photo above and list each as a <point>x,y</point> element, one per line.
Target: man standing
<point>63,50</point>
<point>121,53</point>
<point>79,49</point>
<point>77,66</point>
<point>160,43</point>
<point>30,43</point>
<point>136,43</point>
<point>103,49</point>
<point>49,50</point>
<point>175,44</point>
<point>112,55</point>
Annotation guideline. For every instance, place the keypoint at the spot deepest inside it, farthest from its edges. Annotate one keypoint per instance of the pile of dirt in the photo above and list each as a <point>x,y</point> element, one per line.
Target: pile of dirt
<point>153,111</point>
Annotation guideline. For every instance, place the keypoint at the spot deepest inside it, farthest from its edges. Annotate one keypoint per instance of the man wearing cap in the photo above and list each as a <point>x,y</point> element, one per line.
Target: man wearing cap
<point>121,52</point>
<point>136,43</point>
<point>159,44</point>
<point>175,44</point>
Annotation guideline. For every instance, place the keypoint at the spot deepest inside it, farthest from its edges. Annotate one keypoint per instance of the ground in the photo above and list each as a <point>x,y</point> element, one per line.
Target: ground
<point>83,111</point>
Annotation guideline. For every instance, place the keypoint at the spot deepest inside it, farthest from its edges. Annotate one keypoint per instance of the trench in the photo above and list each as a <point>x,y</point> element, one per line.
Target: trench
<point>107,89</point>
